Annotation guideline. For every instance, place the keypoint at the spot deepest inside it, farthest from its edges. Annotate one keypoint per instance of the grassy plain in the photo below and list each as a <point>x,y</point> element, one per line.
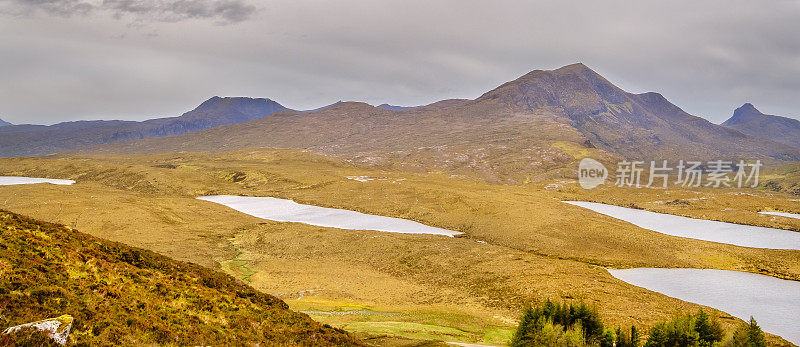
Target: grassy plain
<point>520,243</point>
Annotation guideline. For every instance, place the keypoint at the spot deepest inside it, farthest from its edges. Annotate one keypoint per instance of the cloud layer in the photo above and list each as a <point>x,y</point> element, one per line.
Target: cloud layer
<point>84,59</point>
<point>225,11</point>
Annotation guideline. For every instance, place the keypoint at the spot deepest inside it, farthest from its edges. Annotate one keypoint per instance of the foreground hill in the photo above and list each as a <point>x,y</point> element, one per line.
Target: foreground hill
<point>534,127</point>
<point>123,295</point>
<point>32,140</point>
<point>748,120</point>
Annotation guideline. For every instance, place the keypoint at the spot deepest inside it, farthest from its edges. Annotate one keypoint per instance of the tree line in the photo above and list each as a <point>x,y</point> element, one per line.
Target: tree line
<point>578,324</point>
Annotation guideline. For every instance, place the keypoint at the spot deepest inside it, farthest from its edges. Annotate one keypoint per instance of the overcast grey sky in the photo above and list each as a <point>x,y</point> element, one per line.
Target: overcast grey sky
<point>122,59</point>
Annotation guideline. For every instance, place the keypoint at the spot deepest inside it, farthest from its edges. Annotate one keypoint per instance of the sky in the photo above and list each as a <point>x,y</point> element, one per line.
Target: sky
<point>64,60</point>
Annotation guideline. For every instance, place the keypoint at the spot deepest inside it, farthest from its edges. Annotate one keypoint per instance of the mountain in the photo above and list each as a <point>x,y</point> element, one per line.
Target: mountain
<point>635,126</point>
<point>324,107</point>
<point>32,140</point>
<point>119,295</point>
<point>395,108</point>
<point>748,120</point>
<point>4,123</point>
<point>534,127</point>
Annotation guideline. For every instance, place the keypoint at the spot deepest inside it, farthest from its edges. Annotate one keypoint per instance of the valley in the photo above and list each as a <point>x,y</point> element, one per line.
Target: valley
<point>520,243</point>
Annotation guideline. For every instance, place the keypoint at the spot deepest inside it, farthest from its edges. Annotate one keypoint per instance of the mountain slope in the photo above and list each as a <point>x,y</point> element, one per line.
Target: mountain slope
<point>394,107</point>
<point>4,123</point>
<point>31,140</point>
<point>748,120</point>
<point>126,296</point>
<point>635,126</point>
<point>457,136</point>
<point>534,127</point>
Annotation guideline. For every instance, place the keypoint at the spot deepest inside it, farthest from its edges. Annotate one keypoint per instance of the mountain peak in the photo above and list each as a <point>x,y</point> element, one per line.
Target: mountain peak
<point>747,107</point>
<point>750,121</point>
<point>575,88</point>
<point>575,67</point>
<point>743,114</point>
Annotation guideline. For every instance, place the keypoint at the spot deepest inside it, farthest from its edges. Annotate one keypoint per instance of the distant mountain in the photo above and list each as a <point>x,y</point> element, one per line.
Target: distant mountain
<point>748,120</point>
<point>635,126</point>
<point>395,108</point>
<point>4,123</point>
<point>31,140</point>
<point>121,295</point>
<point>324,107</point>
<point>534,127</point>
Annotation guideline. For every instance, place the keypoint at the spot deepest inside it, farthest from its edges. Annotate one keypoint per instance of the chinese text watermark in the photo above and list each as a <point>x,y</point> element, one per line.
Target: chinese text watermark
<point>716,173</point>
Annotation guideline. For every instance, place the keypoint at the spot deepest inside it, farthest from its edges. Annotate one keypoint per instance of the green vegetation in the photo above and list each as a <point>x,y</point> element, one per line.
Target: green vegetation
<point>748,335</point>
<point>686,330</point>
<point>126,296</point>
<point>549,323</point>
<point>562,324</point>
<point>554,324</point>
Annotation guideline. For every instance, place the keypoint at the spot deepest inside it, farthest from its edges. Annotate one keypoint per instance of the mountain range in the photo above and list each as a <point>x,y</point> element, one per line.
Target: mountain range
<point>535,126</point>
<point>529,128</point>
<point>32,140</point>
<point>748,120</point>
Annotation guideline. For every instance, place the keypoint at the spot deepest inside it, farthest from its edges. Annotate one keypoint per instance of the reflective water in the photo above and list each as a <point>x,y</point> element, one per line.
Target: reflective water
<point>782,214</point>
<point>283,210</point>
<point>773,302</point>
<point>701,229</point>
<point>12,180</point>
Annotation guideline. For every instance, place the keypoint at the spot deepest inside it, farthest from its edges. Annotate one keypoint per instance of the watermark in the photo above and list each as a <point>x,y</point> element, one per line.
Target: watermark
<point>591,173</point>
<point>715,174</point>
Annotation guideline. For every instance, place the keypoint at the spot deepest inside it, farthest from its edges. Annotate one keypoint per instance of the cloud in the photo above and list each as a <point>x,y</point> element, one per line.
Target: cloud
<point>83,59</point>
<point>222,11</point>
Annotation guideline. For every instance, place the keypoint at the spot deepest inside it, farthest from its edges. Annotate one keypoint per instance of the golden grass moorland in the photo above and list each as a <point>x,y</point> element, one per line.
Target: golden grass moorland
<point>520,245</point>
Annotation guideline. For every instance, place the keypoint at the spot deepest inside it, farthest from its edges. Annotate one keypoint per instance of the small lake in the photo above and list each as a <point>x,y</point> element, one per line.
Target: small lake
<point>283,210</point>
<point>773,302</point>
<point>782,214</point>
<point>12,180</point>
<point>700,229</point>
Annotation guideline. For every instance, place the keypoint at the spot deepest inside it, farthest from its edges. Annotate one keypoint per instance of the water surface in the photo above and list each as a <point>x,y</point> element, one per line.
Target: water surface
<point>12,180</point>
<point>700,229</point>
<point>782,214</point>
<point>773,302</point>
<point>283,210</point>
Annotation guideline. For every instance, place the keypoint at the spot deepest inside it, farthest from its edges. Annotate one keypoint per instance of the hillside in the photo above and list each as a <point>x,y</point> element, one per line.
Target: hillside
<point>534,127</point>
<point>748,120</point>
<point>124,296</point>
<point>521,244</point>
<point>4,123</point>
<point>32,140</point>
<point>635,126</point>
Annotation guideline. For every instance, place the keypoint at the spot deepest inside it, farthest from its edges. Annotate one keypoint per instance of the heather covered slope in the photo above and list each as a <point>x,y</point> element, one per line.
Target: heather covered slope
<point>748,120</point>
<point>126,296</point>
<point>32,140</point>
<point>534,127</point>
